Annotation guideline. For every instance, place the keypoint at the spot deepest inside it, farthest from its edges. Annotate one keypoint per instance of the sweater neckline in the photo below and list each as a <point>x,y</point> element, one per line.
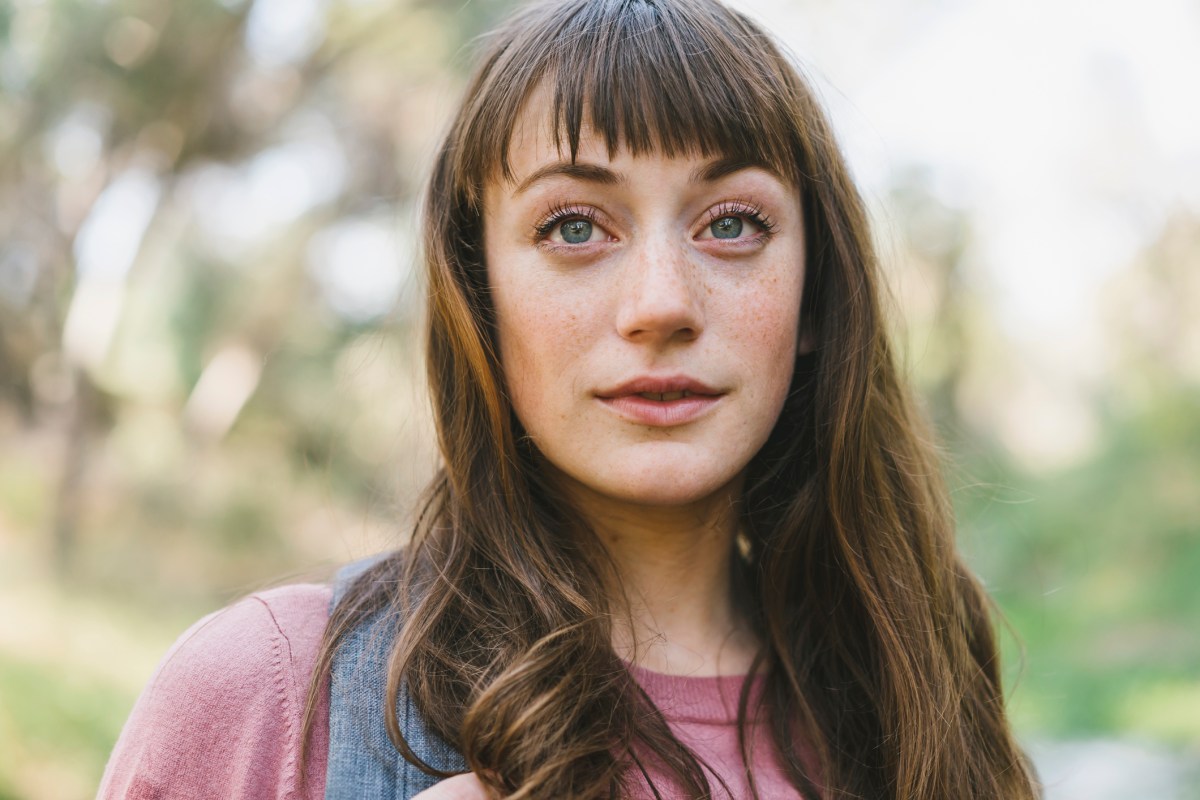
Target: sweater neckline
<point>707,699</point>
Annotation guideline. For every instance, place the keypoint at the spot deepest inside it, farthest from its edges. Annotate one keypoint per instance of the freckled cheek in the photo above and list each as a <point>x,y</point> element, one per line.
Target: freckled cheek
<point>539,347</point>
<point>769,314</point>
<point>766,327</point>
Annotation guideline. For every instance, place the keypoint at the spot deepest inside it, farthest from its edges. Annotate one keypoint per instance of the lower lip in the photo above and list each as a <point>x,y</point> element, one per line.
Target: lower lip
<point>662,413</point>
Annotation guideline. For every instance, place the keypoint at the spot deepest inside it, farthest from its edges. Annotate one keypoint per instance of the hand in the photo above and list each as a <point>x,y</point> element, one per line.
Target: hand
<point>460,787</point>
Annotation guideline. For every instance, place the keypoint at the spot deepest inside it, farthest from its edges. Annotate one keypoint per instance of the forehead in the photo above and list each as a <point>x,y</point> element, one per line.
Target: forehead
<point>537,135</point>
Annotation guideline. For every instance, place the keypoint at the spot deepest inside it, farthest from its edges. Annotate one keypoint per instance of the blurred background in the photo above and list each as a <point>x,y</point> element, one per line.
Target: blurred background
<point>209,328</point>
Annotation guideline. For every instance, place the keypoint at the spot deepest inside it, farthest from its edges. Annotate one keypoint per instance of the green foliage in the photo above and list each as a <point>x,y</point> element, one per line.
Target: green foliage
<point>1095,569</point>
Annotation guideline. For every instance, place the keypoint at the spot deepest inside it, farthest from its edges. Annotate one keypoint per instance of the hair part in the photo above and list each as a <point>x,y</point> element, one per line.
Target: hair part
<point>882,674</point>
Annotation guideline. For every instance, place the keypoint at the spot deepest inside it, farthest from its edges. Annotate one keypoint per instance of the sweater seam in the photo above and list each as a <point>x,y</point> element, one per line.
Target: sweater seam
<point>282,659</point>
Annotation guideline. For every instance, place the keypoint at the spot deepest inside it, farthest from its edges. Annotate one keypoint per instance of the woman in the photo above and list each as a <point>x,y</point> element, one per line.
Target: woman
<point>689,537</point>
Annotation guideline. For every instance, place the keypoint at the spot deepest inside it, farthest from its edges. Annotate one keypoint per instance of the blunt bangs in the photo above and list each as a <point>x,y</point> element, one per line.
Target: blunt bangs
<point>671,78</point>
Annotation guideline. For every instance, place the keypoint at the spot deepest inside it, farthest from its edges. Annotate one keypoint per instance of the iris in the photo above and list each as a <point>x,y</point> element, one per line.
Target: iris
<point>726,228</point>
<point>576,231</point>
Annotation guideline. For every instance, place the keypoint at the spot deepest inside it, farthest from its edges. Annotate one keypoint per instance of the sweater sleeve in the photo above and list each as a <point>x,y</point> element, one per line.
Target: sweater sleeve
<point>221,717</point>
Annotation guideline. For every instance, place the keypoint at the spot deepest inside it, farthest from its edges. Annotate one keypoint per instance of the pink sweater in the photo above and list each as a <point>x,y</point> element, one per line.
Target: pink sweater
<point>221,717</point>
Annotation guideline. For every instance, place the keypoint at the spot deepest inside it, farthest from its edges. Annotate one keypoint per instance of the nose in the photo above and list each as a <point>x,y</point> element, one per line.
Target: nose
<point>661,296</point>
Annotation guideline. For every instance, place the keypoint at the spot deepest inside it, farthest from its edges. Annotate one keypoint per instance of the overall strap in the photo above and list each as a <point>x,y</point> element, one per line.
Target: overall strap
<point>363,762</point>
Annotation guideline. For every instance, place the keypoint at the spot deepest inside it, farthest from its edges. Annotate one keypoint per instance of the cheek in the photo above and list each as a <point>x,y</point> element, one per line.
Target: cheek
<point>539,334</point>
<point>768,323</point>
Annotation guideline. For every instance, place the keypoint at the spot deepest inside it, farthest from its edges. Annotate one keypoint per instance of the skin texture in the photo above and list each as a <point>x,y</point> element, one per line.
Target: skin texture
<point>651,292</point>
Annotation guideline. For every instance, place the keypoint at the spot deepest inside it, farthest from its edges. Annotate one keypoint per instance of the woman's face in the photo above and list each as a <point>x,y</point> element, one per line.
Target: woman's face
<point>647,312</point>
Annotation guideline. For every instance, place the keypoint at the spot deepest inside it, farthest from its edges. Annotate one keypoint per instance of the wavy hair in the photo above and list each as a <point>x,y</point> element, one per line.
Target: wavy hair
<point>882,676</point>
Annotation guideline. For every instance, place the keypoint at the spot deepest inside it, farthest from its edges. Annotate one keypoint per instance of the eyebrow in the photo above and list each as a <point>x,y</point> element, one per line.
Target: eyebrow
<point>594,173</point>
<point>591,173</point>
<point>720,167</point>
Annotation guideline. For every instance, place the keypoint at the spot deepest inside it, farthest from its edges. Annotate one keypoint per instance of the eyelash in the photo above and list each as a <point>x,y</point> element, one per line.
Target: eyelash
<point>557,214</point>
<point>743,208</point>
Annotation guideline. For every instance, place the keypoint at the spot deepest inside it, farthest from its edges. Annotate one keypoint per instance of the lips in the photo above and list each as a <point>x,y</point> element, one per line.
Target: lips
<point>661,401</point>
<point>660,385</point>
<point>665,396</point>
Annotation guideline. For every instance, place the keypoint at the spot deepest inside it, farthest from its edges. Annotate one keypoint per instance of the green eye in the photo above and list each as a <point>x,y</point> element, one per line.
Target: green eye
<point>576,231</point>
<point>726,228</point>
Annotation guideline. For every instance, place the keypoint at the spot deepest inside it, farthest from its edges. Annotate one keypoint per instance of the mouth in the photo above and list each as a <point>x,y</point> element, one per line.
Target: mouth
<point>661,402</point>
<point>662,389</point>
<point>666,397</point>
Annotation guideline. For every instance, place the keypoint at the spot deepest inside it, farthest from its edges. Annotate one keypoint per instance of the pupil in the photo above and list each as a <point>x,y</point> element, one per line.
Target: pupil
<point>576,231</point>
<point>727,228</point>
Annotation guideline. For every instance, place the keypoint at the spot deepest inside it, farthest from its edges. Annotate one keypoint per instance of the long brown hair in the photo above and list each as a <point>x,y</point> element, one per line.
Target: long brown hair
<point>881,670</point>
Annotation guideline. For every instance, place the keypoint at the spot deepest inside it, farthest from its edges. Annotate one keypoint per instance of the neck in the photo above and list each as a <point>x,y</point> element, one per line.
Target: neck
<point>674,603</point>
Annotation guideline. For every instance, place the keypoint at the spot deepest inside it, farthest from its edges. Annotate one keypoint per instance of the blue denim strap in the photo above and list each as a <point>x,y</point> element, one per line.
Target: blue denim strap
<point>363,762</point>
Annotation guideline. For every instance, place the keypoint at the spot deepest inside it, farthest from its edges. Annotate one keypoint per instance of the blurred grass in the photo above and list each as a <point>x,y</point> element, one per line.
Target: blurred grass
<point>58,714</point>
<point>71,665</point>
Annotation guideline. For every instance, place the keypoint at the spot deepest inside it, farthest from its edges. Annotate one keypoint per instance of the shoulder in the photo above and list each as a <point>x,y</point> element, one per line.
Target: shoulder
<point>222,715</point>
<point>261,632</point>
<point>236,653</point>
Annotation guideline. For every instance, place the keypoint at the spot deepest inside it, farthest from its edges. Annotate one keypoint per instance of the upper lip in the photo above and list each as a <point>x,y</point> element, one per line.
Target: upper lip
<point>656,384</point>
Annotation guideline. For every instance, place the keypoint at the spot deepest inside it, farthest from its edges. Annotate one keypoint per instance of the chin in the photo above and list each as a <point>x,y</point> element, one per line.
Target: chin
<point>661,485</point>
<point>663,496</point>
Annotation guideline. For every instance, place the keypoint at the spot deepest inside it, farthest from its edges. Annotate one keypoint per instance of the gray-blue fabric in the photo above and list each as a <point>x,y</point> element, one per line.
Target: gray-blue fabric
<point>363,762</point>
